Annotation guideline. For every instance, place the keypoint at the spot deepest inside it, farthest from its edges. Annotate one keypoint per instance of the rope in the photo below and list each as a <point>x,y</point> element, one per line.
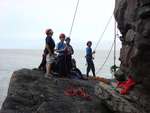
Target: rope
<point>105,60</point>
<point>72,24</point>
<point>103,32</point>
<point>114,67</point>
<point>115,31</point>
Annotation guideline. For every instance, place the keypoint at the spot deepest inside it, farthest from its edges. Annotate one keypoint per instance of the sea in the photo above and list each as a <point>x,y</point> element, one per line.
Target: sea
<point>15,59</point>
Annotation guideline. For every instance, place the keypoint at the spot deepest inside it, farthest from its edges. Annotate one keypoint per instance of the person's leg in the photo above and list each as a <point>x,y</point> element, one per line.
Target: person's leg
<point>88,69</point>
<point>93,68</point>
<point>64,66</point>
<point>42,66</point>
<point>61,65</point>
<point>69,63</point>
<point>48,71</point>
<point>44,63</point>
<point>50,60</point>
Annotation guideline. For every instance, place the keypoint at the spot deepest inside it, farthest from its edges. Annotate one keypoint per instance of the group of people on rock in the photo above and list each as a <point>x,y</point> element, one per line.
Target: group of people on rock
<point>58,58</point>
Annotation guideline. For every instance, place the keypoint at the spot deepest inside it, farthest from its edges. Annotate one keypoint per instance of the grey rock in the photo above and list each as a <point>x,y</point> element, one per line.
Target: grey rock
<point>134,102</point>
<point>31,92</point>
<point>133,18</point>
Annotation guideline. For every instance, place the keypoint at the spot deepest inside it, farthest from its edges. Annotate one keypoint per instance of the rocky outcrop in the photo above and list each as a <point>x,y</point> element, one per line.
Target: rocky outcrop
<point>133,18</point>
<point>31,92</point>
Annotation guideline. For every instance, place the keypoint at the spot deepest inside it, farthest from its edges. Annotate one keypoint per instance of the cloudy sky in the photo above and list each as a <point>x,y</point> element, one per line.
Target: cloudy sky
<point>23,22</point>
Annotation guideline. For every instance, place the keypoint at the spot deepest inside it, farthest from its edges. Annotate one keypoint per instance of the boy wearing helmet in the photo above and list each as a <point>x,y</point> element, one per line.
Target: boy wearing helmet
<point>89,59</point>
<point>61,50</point>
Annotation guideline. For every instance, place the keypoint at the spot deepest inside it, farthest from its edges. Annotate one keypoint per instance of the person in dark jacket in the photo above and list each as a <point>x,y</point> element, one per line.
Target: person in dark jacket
<point>42,65</point>
<point>50,57</point>
<point>69,54</point>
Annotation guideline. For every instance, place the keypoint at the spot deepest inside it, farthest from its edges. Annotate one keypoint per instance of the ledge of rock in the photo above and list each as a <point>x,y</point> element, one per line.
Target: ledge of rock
<point>30,92</point>
<point>136,101</point>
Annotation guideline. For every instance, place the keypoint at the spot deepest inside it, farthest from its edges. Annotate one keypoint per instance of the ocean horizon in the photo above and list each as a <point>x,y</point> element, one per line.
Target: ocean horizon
<point>15,59</point>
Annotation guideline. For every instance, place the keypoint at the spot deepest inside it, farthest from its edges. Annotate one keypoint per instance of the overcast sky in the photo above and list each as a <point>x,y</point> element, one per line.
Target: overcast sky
<point>23,22</point>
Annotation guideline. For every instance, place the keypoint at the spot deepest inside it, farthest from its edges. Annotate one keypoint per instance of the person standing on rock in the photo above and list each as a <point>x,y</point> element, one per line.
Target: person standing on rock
<point>50,45</point>
<point>89,59</point>
<point>61,50</point>
<point>69,53</point>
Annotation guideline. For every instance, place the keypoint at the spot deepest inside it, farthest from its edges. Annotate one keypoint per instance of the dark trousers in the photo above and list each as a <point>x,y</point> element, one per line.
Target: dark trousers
<point>62,67</point>
<point>90,66</point>
<point>42,66</point>
<point>68,63</point>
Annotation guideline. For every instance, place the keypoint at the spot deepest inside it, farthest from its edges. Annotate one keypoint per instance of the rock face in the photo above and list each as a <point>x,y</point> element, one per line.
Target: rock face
<point>31,92</point>
<point>133,18</point>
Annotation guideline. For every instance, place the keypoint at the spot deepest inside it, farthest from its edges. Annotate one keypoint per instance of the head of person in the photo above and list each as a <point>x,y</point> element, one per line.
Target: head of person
<point>62,37</point>
<point>68,40</point>
<point>89,43</point>
<point>49,32</point>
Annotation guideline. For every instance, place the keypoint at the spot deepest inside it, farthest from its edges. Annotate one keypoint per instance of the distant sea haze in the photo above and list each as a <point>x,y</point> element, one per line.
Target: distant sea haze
<point>11,60</point>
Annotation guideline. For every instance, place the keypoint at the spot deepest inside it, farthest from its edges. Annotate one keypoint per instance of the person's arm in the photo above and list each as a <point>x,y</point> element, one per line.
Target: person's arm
<point>60,50</point>
<point>93,52</point>
<point>72,51</point>
<point>57,48</point>
<point>48,48</point>
<point>86,56</point>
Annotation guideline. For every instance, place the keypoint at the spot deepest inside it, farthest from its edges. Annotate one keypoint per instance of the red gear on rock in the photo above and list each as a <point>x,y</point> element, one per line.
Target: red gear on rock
<point>72,91</point>
<point>127,85</point>
<point>121,84</point>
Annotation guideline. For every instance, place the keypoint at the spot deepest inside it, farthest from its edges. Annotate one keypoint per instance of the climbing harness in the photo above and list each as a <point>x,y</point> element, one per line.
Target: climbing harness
<point>113,69</point>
